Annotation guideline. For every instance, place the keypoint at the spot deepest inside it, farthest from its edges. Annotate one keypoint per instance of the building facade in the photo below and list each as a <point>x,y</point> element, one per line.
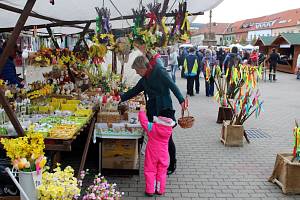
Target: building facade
<point>247,31</point>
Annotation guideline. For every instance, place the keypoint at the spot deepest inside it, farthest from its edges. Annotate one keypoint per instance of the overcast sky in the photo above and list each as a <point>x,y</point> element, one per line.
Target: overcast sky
<point>234,10</point>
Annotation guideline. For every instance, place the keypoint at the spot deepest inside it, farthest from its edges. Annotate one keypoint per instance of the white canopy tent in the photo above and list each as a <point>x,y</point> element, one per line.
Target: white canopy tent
<point>250,47</point>
<point>239,46</point>
<point>71,10</point>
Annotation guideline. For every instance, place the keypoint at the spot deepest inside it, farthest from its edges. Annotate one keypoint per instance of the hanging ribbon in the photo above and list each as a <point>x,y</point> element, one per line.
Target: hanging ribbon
<point>98,25</point>
<point>185,22</point>
<point>163,24</point>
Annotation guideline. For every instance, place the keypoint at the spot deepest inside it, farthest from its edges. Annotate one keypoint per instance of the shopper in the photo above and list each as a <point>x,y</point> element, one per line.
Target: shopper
<point>156,85</point>
<point>190,70</point>
<point>9,72</point>
<point>173,62</point>
<point>199,55</point>
<point>254,57</point>
<point>298,66</point>
<point>273,59</point>
<point>209,64</point>
<point>156,158</point>
<point>221,56</point>
<point>232,60</point>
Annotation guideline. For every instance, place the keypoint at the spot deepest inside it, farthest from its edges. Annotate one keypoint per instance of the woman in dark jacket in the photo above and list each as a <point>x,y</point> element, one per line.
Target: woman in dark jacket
<point>156,85</point>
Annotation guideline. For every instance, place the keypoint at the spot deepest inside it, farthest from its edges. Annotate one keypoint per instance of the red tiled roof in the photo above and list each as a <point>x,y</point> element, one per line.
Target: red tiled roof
<point>217,28</point>
<point>279,20</point>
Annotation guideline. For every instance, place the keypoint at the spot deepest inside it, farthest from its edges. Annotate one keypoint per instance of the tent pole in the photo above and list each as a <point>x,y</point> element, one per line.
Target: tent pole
<point>53,38</point>
<point>7,50</point>
<point>81,37</point>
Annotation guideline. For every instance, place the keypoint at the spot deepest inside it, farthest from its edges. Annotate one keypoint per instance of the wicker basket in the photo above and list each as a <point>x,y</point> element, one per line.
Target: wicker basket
<point>186,122</point>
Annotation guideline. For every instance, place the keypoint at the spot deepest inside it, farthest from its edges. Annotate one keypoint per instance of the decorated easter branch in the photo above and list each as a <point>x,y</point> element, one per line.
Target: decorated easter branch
<point>233,82</point>
<point>245,106</point>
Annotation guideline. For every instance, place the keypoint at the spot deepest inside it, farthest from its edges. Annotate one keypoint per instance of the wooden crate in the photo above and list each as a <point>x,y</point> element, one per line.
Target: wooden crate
<point>108,117</point>
<point>232,135</point>
<point>286,174</point>
<point>224,113</point>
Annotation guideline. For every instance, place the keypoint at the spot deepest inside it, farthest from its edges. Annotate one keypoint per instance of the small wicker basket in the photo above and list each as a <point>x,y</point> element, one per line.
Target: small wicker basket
<point>186,122</point>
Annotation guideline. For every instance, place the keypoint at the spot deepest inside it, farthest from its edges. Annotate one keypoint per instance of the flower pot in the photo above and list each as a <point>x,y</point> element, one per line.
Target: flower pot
<point>225,113</point>
<point>29,181</point>
<point>232,135</point>
<point>286,174</point>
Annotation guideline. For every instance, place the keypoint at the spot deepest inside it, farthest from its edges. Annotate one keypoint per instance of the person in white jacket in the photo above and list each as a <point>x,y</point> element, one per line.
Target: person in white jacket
<point>298,67</point>
<point>173,62</point>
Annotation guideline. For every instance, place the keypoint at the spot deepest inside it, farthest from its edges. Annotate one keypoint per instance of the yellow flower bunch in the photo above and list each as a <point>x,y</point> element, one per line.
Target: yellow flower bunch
<point>59,185</point>
<point>26,152</point>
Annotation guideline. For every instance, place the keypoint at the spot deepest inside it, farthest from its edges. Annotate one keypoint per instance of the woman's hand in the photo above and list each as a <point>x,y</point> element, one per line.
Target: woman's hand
<point>184,105</point>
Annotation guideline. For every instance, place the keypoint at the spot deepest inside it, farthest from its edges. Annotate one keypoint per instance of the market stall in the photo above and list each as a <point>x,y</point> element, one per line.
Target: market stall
<point>288,46</point>
<point>58,120</point>
<point>265,44</point>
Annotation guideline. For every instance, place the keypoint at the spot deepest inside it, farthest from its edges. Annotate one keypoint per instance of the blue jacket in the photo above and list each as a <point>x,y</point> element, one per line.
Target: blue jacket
<point>9,72</point>
<point>157,89</point>
<point>230,56</point>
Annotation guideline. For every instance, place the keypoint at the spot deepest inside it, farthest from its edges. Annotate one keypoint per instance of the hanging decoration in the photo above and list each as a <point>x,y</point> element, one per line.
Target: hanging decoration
<point>184,22</point>
<point>122,49</point>
<point>139,16</point>
<point>103,26</point>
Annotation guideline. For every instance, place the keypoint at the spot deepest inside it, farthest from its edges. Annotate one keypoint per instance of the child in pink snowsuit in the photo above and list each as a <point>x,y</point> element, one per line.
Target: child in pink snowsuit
<point>156,156</point>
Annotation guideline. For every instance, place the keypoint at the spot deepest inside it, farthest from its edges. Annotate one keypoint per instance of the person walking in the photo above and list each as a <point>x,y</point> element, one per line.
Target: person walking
<point>209,65</point>
<point>273,59</point>
<point>173,62</point>
<point>197,78</point>
<point>298,66</point>
<point>156,84</point>
<point>190,70</point>
<point>156,155</point>
<point>221,54</point>
<point>232,60</point>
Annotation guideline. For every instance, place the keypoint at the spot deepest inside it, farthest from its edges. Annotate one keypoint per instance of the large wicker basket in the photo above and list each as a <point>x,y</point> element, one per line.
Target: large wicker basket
<point>186,122</point>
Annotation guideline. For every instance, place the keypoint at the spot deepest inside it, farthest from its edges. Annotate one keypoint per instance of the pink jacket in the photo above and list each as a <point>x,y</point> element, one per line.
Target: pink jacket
<point>157,156</point>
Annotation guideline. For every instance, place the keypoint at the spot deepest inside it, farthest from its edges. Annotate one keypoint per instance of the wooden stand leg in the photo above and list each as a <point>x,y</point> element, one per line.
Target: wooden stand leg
<point>56,158</point>
<point>86,147</point>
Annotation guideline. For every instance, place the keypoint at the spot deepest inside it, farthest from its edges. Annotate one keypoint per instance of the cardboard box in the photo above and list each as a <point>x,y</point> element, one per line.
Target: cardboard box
<point>119,154</point>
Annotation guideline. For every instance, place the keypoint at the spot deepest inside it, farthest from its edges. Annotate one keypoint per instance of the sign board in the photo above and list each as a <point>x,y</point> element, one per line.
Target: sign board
<point>285,46</point>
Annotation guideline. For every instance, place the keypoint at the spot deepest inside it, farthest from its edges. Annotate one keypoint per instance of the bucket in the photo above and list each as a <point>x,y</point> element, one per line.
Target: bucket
<point>29,182</point>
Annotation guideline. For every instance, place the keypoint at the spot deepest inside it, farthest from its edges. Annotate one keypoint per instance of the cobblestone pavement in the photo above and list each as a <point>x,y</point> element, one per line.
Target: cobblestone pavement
<point>208,170</point>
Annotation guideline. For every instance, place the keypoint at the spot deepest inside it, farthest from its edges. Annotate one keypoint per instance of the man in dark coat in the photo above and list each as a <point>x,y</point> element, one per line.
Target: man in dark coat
<point>273,59</point>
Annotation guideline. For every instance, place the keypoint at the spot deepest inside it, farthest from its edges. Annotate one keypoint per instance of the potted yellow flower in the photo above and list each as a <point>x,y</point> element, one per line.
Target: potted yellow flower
<point>27,157</point>
<point>61,184</point>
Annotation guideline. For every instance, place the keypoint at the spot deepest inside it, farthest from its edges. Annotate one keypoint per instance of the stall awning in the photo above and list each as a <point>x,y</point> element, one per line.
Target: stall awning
<point>70,10</point>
